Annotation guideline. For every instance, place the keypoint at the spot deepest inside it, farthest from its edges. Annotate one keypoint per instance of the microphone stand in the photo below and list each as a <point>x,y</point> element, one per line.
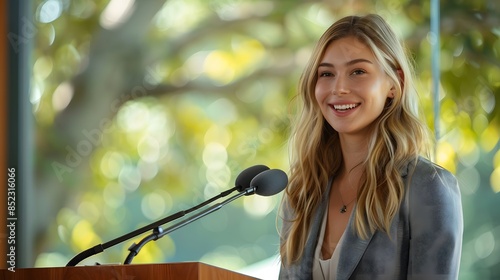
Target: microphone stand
<point>155,225</point>
<point>159,232</point>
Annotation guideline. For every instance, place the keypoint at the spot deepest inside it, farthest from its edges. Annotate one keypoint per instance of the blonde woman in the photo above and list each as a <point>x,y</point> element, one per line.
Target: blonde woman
<point>363,202</point>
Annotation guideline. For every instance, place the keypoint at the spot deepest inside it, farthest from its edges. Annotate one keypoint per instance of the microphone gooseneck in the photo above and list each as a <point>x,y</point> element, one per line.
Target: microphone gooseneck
<point>266,183</point>
<point>242,182</point>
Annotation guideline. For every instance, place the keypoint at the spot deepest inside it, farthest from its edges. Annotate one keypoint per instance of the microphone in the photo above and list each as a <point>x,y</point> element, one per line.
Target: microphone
<point>266,183</point>
<point>269,182</point>
<point>245,178</point>
<point>242,182</point>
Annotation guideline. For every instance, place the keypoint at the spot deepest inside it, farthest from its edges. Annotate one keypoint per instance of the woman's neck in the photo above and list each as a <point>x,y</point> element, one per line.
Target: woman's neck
<point>354,151</point>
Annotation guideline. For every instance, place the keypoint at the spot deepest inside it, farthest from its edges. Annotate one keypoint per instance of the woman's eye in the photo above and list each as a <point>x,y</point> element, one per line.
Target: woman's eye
<point>325,74</point>
<point>358,71</point>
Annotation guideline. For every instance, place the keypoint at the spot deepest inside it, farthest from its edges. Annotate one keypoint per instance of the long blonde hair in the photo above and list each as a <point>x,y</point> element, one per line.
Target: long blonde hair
<point>399,136</point>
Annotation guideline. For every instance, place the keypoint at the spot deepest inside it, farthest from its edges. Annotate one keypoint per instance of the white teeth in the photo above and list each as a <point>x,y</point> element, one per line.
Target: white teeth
<point>344,106</point>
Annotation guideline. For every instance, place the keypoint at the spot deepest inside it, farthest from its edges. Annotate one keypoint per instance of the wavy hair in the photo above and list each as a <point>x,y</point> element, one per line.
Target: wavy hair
<point>399,136</point>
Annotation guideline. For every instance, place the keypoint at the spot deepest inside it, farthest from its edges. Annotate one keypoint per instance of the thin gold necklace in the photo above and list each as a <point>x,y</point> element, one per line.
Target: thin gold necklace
<point>343,209</point>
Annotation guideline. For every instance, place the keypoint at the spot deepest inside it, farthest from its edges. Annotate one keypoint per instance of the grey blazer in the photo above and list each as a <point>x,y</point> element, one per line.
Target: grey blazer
<point>425,237</point>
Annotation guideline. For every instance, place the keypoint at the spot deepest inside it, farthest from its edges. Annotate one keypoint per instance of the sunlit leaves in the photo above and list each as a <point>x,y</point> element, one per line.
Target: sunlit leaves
<point>446,156</point>
<point>178,16</point>
<point>155,250</point>
<point>156,204</point>
<point>49,11</point>
<point>224,67</point>
<point>116,13</point>
<point>495,176</point>
<point>62,96</point>
<point>495,180</point>
<point>490,136</point>
<point>83,236</point>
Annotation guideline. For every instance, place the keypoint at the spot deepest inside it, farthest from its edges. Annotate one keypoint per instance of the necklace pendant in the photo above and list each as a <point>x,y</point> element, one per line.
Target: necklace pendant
<point>343,209</point>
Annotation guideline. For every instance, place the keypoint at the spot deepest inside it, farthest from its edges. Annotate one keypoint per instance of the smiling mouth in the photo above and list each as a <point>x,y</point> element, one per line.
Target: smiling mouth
<point>345,107</point>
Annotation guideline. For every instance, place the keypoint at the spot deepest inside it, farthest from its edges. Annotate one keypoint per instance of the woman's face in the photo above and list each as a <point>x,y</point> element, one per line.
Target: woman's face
<point>352,88</point>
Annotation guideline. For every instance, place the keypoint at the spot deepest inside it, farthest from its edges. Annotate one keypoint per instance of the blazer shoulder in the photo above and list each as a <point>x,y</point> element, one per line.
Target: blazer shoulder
<point>424,170</point>
<point>427,181</point>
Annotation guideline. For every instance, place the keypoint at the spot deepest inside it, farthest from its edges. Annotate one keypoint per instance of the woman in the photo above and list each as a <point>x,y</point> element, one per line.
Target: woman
<point>362,201</point>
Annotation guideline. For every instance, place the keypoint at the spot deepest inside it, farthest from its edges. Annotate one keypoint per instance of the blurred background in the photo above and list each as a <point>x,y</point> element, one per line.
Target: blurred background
<point>139,109</point>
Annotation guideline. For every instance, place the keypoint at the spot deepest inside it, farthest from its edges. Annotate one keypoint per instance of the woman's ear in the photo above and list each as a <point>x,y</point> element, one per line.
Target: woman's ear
<point>392,92</point>
<point>401,77</point>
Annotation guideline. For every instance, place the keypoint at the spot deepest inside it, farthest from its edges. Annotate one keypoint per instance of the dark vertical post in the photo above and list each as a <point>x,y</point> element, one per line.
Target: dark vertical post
<point>436,71</point>
<point>3,132</point>
<point>21,31</point>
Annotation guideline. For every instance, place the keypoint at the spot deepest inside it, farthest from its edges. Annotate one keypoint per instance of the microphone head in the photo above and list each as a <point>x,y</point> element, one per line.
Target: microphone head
<point>269,182</point>
<point>243,180</point>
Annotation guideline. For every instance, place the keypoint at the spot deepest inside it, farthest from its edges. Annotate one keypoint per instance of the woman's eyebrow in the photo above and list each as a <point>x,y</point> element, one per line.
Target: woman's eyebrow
<point>351,62</point>
<point>358,60</point>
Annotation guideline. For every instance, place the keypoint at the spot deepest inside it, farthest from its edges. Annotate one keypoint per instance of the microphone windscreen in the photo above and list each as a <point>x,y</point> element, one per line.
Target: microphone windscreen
<point>243,180</point>
<point>269,182</point>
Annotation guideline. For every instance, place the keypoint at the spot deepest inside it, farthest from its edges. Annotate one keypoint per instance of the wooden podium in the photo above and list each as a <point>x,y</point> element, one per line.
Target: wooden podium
<point>171,271</point>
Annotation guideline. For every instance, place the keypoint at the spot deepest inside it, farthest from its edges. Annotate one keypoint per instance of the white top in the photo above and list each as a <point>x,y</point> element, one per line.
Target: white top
<point>325,269</point>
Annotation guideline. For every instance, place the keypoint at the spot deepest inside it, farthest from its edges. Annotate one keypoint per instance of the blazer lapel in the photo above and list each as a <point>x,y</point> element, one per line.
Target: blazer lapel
<point>352,249</point>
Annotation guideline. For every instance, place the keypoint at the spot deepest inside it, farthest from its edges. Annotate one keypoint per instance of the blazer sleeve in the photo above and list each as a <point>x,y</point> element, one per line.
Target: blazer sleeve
<point>286,217</point>
<point>436,223</point>
<point>303,268</point>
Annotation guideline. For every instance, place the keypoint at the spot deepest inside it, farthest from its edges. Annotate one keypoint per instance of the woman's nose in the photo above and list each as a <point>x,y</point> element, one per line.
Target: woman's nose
<point>340,85</point>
